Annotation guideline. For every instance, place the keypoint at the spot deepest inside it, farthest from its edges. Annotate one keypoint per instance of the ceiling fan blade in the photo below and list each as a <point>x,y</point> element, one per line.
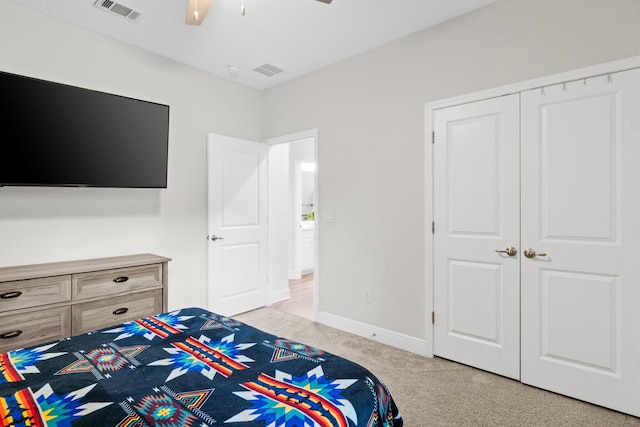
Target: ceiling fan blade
<point>195,16</point>
<point>326,1</point>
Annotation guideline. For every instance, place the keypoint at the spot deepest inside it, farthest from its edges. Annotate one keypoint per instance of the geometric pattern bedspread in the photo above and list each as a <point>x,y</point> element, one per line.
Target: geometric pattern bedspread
<point>189,367</point>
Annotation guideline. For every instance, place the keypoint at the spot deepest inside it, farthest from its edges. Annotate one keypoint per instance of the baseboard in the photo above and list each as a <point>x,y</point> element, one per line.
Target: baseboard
<point>382,335</point>
<point>280,295</point>
<point>294,275</point>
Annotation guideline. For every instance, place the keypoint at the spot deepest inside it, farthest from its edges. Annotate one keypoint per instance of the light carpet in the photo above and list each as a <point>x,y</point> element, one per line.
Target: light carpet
<point>437,392</point>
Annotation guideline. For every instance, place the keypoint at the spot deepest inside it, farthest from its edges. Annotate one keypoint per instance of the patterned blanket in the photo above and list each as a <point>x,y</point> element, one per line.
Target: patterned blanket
<point>189,367</point>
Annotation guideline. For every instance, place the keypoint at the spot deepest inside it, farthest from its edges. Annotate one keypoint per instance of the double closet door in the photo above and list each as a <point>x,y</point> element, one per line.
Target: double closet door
<point>537,237</point>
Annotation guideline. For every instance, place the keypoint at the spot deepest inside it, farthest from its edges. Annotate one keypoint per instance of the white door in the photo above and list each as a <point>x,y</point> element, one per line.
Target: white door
<point>237,225</point>
<point>581,214</point>
<point>476,213</point>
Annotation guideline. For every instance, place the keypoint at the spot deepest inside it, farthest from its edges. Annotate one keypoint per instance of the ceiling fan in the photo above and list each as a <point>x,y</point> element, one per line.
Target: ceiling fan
<point>197,10</point>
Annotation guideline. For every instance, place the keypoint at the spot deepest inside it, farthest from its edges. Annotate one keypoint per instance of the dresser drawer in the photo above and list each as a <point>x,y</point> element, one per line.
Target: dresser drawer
<point>30,328</point>
<point>34,292</point>
<point>117,281</point>
<point>89,316</point>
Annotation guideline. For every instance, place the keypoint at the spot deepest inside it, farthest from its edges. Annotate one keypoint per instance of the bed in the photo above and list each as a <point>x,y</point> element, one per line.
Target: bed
<point>188,367</point>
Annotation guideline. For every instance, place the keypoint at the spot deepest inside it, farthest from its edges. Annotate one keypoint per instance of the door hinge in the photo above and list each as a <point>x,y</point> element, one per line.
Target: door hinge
<point>433,137</point>
<point>433,227</point>
<point>433,317</point>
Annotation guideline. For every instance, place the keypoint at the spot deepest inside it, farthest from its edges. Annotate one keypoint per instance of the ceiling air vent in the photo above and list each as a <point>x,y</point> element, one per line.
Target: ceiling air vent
<point>118,9</point>
<point>268,70</point>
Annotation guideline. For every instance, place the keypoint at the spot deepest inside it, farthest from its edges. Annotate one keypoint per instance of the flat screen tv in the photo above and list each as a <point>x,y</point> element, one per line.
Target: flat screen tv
<point>53,134</point>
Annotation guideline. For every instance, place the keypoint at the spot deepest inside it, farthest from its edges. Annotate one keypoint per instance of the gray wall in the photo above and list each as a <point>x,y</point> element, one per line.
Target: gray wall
<point>369,111</point>
<point>52,224</point>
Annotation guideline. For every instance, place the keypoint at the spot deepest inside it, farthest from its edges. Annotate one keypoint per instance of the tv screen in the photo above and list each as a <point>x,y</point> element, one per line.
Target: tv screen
<point>53,134</point>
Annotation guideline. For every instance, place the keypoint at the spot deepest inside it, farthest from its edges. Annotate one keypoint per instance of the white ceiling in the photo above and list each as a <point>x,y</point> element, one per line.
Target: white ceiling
<point>298,36</point>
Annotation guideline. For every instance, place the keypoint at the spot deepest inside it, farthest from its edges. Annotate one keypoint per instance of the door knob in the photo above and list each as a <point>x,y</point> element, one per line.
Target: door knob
<point>214,237</point>
<point>530,253</point>
<point>511,251</point>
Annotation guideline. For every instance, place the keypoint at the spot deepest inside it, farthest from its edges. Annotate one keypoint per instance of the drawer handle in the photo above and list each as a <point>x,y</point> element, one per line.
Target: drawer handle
<point>12,294</point>
<point>11,334</point>
<point>122,310</point>
<point>121,279</point>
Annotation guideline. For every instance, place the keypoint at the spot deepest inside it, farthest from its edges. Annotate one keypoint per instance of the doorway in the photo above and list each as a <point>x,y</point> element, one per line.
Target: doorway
<point>293,231</point>
<point>301,298</point>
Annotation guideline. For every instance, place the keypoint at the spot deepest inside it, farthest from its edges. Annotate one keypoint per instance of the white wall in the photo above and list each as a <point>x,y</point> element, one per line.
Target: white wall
<point>369,111</point>
<point>54,224</point>
<point>280,219</point>
<point>302,151</point>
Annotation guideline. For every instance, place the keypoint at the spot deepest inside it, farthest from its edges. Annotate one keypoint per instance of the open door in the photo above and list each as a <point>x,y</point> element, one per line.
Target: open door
<point>237,240</point>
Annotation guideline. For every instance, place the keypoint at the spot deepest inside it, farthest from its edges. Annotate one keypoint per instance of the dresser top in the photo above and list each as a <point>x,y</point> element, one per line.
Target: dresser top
<point>22,272</point>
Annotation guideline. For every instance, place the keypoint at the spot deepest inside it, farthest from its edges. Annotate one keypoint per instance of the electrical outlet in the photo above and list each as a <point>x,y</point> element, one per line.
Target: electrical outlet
<point>327,215</point>
<point>367,296</point>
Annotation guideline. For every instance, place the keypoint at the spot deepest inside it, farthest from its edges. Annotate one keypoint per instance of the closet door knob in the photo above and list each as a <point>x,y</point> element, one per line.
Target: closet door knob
<point>511,251</point>
<point>530,253</point>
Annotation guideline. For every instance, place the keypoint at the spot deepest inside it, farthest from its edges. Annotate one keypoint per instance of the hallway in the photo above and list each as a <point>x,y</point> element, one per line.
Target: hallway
<point>301,301</point>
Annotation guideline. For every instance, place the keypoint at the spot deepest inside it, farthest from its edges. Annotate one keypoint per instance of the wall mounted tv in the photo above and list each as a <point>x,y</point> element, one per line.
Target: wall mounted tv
<point>53,134</point>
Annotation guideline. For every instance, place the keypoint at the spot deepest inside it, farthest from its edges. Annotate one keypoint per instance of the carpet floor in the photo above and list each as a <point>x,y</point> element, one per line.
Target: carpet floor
<point>437,392</point>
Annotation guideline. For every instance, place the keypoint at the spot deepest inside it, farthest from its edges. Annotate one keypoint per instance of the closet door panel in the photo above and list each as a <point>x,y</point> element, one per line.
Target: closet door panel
<point>584,339</point>
<point>580,213</point>
<point>579,142</point>
<point>476,199</point>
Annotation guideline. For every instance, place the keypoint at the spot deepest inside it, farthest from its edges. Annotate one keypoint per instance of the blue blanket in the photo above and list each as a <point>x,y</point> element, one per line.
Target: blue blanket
<point>189,367</point>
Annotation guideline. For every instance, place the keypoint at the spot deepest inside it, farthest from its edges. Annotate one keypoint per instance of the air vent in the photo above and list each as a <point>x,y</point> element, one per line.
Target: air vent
<point>268,70</point>
<point>118,9</point>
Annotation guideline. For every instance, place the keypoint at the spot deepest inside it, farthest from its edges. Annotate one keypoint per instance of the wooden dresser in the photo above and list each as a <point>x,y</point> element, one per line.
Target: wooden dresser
<point>47,302</point>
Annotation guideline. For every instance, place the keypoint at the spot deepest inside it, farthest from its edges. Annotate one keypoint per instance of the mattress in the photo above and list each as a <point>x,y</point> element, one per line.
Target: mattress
<point>188,367</point>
